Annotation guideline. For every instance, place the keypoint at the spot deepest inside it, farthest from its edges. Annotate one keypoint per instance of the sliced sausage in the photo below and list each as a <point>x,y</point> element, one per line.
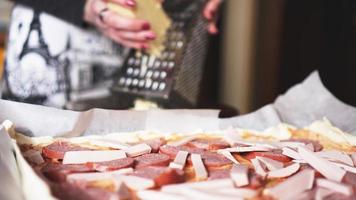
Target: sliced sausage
<point>155,144</point>
<point>172,151</point>
<point>161,175</point>
<point>211,159</point>
<point>317,146</point>
<point>209,144</point>
<point>219,174</point>
<point>272,155</point>
<point>152,159</point>
<point>58,173</point>
<point>57,150</point>
<point>112,165</point>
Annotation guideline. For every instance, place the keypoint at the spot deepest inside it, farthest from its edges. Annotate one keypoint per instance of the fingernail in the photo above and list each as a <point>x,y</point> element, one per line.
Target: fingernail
<point>146,26</point>
<point>130,3</point>
<point>150,37</point>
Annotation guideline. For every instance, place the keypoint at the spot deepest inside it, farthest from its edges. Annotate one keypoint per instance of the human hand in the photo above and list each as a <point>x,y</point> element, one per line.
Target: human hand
<point>210,13</point>
<point>134,33</point>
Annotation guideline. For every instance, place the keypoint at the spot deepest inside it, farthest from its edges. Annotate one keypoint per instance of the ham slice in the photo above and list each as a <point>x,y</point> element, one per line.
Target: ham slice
<point>229,156</point>
<point>138,150</point>
<point>346,167</point>
<point>325,167</point>
<point>335,186</point>
<point>336,156</point>
<point>136,183</point>
<point>270,163</point>
<point>180,160</point>
<point>291,153</point>
<point>199,168</point>
<point>247,149</point>
<point>284,172</point>
<point>293,186</point>
<point>322,193</point>
<point>259,169</point>
<point>239,174</point>
<point>82,157</point>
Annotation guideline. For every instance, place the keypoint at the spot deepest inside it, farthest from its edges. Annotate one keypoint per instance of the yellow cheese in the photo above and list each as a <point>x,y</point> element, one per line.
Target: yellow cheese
<point>152,11</point>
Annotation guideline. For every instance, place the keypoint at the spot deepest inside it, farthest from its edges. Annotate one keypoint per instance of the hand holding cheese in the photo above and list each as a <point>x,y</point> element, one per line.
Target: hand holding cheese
<point>130,32</point>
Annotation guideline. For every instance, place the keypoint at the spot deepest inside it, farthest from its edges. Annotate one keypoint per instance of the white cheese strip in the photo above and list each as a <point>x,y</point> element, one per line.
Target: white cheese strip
<point>336,156</point>
<point>353,156</point>
<point>239,192</point>
<point>300,161</point>
<point>292,145</point>
<point>310,146</point>
<point>291,153</point>
<point>322,193</point>
<point>180,160</point>
<point>239,174</point>
<point>254,144</point>
<point>270,163</point>
<point>259,169</point>
<point>138,150</point>
<point>136,183</point>
<point>156,195</point>
<point>207,194</point>
<point>184,140</point>
<point>335,186</point>
<point>346,167</point>
<point>102,142</point>
<point>325,167</point>
<point>284,172</point>
<point>97,175</point>
<point>34,156</point>
<point>81,157</point>
<point>199,168</point>
<point>293,186</point>
<point>246,149</point>
<point>229,156</point>
<point>207,185</point>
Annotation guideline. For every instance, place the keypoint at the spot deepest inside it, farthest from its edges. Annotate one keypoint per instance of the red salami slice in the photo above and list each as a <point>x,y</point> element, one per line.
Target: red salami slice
<point>172,151</point>
<point>255,181</point>
<point>219,174</point>
<point>161,175</point>
<point>57,150</point>
<point>58,172</point>
<point>152,159</point>
<point>316,144</point>
<point>272,155</point>
<point>209,144</point>
<point>112,165</point>
<point>155,144</point>
<point>211,159</point>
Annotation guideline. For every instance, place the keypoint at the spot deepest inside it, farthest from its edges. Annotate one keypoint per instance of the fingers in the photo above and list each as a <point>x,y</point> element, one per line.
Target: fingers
<point>122,23</point>
<point>210,13</point>
<point>125,3</point>
<point>119,37</point>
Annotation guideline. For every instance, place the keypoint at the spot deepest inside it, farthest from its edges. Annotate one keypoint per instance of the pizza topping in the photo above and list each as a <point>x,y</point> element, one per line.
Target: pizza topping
<point>209,144</point>
<point>57,150</point>
<point>199,168</point>
<point>270,163</point>
<point>346,167</point>
<point>109,143</point>
<point>155,144</point>
<point>336,156</point>
<point>335,186</point>
<point>112,164</point>
<point>211,159</point>
<point>322,193</point>
<point>137,183</point>
<point>58,173</point>
<point>152,159</point>
<point>291,153</point>
<point>172,151</point>
<point>247,149</point>
<point>350,178</point>
<point>219,174</point>
<point>161,175</point>
<point>180,160</point>
<point>207,185</point>
<point>155,195</point>
<point>353,156</point>
<point>80,157</point>
<point>184,140</point>
<point>300,182</point>
<point>138,150</point>
<point>284,172</point>
<point>325,167</point>
<point>272,155</point>
<point>97,175</point>
<point>316,145</point>
<point>229,156</point>
<point>259,168</point>
<point>239,192</point>
<point>239,174</point>
<point>34,156</point>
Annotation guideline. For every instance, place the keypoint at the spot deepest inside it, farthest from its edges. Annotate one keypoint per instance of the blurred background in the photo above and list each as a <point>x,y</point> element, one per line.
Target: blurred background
<point>265,47</point>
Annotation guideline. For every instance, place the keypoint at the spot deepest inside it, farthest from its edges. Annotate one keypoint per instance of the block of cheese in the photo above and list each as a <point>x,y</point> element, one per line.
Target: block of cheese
<point>152,11</point>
